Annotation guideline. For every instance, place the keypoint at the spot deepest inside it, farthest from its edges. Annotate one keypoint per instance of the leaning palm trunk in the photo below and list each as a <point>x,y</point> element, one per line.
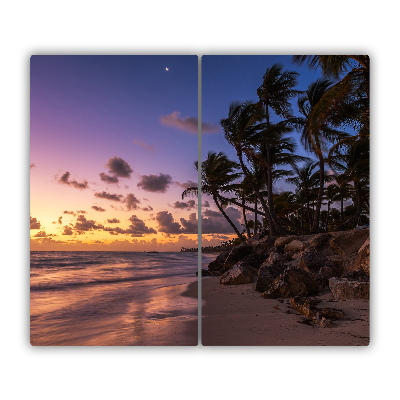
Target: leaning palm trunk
<point>274,220</point>
<point>240,236</point>
<point>272,230</point>
<point>315,226</point>
<point>246,207</point>
<point>246,224</point>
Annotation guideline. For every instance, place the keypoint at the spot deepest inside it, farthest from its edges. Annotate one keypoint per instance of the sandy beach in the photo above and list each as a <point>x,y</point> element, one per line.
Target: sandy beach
<point>239,316</point>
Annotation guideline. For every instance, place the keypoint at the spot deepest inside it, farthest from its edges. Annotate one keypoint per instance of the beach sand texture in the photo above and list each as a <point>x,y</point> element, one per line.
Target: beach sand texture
<point>239,316</point>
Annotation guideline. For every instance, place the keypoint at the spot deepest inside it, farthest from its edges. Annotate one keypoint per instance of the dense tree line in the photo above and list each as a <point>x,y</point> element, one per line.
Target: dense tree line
<point>262,135</point>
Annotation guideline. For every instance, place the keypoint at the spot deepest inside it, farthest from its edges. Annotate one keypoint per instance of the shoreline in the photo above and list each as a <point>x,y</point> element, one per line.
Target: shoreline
<point>191,290</point>
<point>179,328</point>
<point>167,318</point>
<point>237,315</point>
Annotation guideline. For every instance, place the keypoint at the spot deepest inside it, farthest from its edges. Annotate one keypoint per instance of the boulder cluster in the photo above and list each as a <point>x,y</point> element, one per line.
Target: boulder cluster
<point>299,266</point>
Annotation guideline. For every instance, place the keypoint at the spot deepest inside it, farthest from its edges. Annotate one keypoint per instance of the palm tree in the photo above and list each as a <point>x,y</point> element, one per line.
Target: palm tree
<point>244,192</point>
<point>239,127</point>
<point>274,94</point>
<point>218,174</point>
<point>305,179</point>
<point>281,153</point>
<point>287,206</point>
<point>332,195</point>
<point>353,163</point>
<point>316,138</point>
<point>344,191</point>
<point>347,101</point>
<point>334,65</point>
<point>257,178</point>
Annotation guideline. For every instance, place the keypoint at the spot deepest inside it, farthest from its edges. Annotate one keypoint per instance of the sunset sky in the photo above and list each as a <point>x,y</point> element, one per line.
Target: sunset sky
<point>113,141</point>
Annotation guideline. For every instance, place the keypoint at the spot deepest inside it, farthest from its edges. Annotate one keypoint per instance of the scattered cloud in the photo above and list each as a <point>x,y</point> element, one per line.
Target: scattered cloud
<point>32,165</point>
<point>119,167</point>
<point>189,225</point>
<point>135,244</point>
<point>67,230</point>
<point>115,231</point>
<point>166,223</point>
<point>207,127</point>
<point>46,241</point>
<point>138,227</point>
<point>155,183</point>
<point>185,205</point>
<point>108,178</point>
<point>215,222</point>
<point>41,234</point>
<point>60,220</point>
<point>113,221</point>
<point>212,222</point>
<point>84,225</point>
<point>148,208</point>
<point>35,224</point>
<point>96,208</point>
<point>187,184</point>
<point>109,196</point>
<point>187,124</point>
<point>69,212</point>
<point>66,181</point>
<point>220,237</point>
<point>206,204</point>
<point>143,144</point>
<point>74,212</point>
<point>131,202</point>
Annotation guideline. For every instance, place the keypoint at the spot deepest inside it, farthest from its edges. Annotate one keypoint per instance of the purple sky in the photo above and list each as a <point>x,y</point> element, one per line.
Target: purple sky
<point>88,112</point>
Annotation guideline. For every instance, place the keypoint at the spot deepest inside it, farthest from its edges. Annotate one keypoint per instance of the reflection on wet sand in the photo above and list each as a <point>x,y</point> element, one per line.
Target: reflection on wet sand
<point>104,316</point>
<point>124,312</point>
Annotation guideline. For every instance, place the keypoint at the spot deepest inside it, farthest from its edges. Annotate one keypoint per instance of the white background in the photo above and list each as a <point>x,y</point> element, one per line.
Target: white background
<point>204,27</point>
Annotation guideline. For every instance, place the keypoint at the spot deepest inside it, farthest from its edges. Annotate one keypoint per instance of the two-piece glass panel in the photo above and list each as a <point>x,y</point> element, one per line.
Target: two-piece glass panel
<point>115,204</point>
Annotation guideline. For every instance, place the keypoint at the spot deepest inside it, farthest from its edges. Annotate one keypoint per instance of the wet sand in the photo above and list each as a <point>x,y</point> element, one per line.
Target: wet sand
<point>173,324</point>
<point>165,318</point>
<point>240,316</point>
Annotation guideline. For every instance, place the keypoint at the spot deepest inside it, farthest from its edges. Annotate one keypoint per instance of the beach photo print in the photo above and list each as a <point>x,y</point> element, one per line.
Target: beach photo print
<point>273,213</point>
<point>285,186</point>
<point>113,139</point>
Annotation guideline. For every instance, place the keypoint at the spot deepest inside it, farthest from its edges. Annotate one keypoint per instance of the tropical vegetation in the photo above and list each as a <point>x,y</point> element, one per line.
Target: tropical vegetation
<point>331,187</point>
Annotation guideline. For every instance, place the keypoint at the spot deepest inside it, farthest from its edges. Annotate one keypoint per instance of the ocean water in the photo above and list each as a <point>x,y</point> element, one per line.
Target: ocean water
<point>112,298</point>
